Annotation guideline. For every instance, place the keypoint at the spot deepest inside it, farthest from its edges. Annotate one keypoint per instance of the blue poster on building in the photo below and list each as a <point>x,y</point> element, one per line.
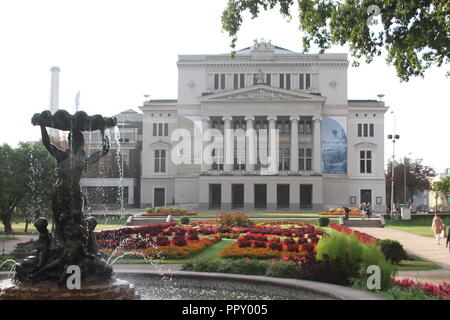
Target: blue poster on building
<point>334,145</point>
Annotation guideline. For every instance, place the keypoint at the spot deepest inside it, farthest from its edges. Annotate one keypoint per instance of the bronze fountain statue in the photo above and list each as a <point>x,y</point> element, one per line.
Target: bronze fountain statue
<point>73,241</point>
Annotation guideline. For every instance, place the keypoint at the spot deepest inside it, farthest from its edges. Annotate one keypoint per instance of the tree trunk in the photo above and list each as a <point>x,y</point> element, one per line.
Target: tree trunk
<point>6,220</point>
<point>26,225</point>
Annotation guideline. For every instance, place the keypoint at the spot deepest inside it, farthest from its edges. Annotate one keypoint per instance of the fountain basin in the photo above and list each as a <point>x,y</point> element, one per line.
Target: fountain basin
<point>181,285</point>
<point>113,290</point>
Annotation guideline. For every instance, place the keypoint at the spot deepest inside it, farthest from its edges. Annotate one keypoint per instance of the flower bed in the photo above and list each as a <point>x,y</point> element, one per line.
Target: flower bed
<point>441,291</point>
<point>361,236</point>
<point>272,241</point>
<point>155,241</point>
<point>340,212</point>
<point>165,211</point>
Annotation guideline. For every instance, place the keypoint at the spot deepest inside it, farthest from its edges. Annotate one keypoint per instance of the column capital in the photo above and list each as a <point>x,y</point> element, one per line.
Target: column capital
<point>227,118</point>
<point>317,119</point>
<point>270,118</point>
<point>249,118</point>
<point>294,118</point>
<point>206,118</point>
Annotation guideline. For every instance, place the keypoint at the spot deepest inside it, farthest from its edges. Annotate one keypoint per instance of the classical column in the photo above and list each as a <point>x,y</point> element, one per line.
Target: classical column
<point>228,145</point>
<point>317,143</point>
<point>205,127</point>
<point>294,144</point>
<point>250,145</point>
<point>273,156</point>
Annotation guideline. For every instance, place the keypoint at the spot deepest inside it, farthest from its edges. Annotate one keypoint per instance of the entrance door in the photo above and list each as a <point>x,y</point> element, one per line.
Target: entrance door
<point>159,197</point>
<point>282,196</point>
<point>215,196</point>
<point>306,196</point>
<point>260,196</point>
<point>366,195</point>
<point>237,196</point>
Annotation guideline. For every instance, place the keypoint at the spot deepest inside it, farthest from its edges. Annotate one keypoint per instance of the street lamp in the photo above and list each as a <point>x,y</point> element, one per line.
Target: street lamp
<point>394,137</point>
<point>404,178</point>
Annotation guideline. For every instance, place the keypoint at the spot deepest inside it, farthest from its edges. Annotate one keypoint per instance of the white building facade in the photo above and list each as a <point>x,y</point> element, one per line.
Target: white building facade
<point>329,151</point>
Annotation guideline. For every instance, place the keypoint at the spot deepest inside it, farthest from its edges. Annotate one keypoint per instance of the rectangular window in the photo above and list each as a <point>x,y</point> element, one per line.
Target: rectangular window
<point>155,129</point>
<point>242,80</point>
<point>305,159</point>
<point>365,161</point>
<point>160,129</point>
<point>284,159</point>
<point>371,130</point>
<point>359,130</point>
<point>365,130</point>
<point>268,79</point>
<point>235,81</point>
<point>222,81</point>
<point>166,129</point>
<point>308,81</point>
<point>216,81</point>
<point>288,81</point>
<point>286,126</point>
<point>160,160</point>
<point>281,81</point>
<point>302,81</point>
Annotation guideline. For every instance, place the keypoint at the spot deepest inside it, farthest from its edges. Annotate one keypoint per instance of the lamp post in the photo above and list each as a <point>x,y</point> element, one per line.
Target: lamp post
<point>404,178</point>
<point>394,137</point>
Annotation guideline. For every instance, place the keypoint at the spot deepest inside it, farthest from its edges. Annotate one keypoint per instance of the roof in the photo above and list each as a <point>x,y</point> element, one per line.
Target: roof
<point>129,115</point>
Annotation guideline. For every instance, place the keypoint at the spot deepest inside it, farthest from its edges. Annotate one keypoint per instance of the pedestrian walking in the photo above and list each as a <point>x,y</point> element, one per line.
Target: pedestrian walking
<point>448,239</point>
<point>368,209</point>
<point>363,209</point>
<point>437,226</point>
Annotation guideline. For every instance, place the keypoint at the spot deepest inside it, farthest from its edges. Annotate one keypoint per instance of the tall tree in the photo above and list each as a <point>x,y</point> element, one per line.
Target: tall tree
<point>417,176</point>
<point>413,33</point>
<point>442,189</point>
<point>26,177</point>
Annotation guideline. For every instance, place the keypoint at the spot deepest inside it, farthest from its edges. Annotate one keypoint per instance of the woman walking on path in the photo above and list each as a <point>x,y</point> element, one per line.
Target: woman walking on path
<point>437,227</point>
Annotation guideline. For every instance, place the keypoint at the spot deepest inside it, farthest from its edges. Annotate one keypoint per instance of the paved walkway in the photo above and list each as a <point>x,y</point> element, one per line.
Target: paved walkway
<point>9,245</point>
<point>424,247</point>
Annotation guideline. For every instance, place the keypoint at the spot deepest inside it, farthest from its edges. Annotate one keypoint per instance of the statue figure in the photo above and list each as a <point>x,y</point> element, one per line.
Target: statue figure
<point>73,242</point>
<point>43,248</point>
<point>67,200</point>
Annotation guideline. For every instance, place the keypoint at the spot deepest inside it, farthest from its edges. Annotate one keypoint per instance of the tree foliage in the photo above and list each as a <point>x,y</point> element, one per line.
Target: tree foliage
<point>442,187</point>
<point>27,174</point>
<point>418,178</point>
<point>413,33</point>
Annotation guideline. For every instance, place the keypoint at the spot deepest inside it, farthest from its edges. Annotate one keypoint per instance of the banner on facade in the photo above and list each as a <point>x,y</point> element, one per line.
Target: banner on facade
<point>334,145</point>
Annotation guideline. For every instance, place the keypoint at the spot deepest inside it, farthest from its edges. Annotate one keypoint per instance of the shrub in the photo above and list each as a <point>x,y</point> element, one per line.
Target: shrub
<point>148,210</point>
<point>345,258</point>
<point>243,266</point>
<point>237,219</point>
<point>392,251</point>
<point>201,265</point>
<point>157,209</point>
<point>281,269</point>
<point>324,221</point>
<point>184,220</point>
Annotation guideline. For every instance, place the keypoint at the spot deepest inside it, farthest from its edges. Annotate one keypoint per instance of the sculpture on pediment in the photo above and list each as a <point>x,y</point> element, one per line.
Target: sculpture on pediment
<point>262,45</point>
<point>260,77</point>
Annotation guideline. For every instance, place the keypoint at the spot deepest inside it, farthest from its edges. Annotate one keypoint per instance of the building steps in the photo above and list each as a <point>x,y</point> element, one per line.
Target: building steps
<point>367,223</point>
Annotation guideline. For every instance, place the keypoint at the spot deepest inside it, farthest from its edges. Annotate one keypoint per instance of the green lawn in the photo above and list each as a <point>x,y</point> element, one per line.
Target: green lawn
<point>20,227</point>
<point>417,264</point>
<point>6,238</point>
<point>420,227</point>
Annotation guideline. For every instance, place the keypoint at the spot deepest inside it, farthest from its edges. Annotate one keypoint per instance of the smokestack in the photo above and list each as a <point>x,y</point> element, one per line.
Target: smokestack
<point>54,90</point>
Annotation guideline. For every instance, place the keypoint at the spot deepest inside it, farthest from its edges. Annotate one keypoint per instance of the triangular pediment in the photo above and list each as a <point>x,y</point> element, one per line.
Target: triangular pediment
<point>365,145</point>
<point>159,144</point>
<point>261,93</point>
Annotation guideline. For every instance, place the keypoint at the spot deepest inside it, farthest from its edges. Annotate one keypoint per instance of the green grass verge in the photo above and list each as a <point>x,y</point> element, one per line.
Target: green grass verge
<point>420,227</point>
<point>20,227</point>
<point>417,264</point>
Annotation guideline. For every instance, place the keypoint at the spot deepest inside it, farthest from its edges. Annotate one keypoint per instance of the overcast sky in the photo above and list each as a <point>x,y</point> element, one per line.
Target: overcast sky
<point>114,52</point>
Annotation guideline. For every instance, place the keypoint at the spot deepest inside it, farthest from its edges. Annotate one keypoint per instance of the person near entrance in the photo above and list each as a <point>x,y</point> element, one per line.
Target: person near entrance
<point>346,213</point>
<point>363,209</point>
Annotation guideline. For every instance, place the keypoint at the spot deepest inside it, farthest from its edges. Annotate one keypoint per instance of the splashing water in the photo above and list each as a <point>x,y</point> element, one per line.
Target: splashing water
<point>13,268</point>
<point>119,160</point>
